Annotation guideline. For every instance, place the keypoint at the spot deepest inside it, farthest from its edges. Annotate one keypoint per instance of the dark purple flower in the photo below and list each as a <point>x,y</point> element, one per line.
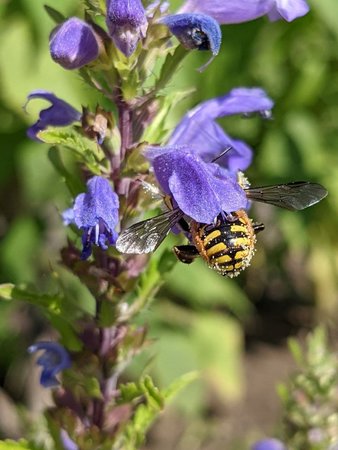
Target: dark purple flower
<point>54,359</point>
<point>269,444</point>
<point>59,114</point>
<point>73,44</point>
<point>200,131</point>
<point>96,213</point>
<point>195,31</point>
<point>127,23</point>
<point>201,190</point>
<point>242,11</point>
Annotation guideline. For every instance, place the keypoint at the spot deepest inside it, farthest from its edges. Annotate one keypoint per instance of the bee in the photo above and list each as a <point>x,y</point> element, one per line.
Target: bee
<point>228,244</point>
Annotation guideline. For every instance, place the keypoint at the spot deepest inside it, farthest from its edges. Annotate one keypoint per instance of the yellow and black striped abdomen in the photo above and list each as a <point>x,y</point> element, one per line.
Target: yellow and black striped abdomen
<point>229,245</point>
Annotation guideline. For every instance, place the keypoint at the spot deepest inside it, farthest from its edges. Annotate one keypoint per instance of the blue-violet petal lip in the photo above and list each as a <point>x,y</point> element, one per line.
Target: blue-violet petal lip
<point>195,31</point>
<point>199,189</point>
<point>59,114</point>
<point>73,44</point>
<point>100,201</point>
<point>199,129</point>
<point>288,10</point>
<point>54,359</point>
<point>96,214</point>
<point>227,12</point>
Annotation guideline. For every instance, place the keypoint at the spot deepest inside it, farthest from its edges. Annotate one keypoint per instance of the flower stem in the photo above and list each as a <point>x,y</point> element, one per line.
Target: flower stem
<point>125,115</point>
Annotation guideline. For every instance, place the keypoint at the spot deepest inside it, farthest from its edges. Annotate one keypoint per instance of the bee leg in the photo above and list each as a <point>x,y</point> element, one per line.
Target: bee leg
<point>258,227</point>
<point>186,253</point>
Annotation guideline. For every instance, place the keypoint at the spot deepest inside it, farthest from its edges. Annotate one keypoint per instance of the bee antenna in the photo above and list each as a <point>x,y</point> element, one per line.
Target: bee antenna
<point>224,152</point>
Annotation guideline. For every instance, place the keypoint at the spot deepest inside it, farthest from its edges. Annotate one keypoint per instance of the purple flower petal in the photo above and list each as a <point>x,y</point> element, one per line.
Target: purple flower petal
<point>127,23</point>
<point>195,31</point>
<point>199,130</point>
<point>288,10</point>
<point>67,442</point>
<point>53,360</point>
<point>226,12</point>
<point>73,44</point>
<point>199,189</point>
<point>96,213</point>
<point>68,216</point>
<point>269,444</point>
<point>59,114</point>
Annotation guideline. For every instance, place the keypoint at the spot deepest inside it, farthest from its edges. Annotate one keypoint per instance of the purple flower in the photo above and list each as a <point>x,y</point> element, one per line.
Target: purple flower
<point>242,11</point>
<point>54,359</point>
<point>195,31</point>
<point>200,131</point>
<point>67,442</point>
<point>73,44</point>
<point>96,213</point>
<point>201,190</point>
<point>127,23</point>
<point>59,114</point>
<point>269,444</point>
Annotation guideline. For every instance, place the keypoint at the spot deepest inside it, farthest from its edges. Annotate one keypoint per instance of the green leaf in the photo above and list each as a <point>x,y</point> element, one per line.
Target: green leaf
<point>95,7</point>
<point>54,14</point>
<point>129,392</point>
<point>153,403</point>
<point>92,387</point>
<point>84,149</point>
<point>153,395</point>
<point>108,314</point>
<point>18,445</point>
<point>181,383</point>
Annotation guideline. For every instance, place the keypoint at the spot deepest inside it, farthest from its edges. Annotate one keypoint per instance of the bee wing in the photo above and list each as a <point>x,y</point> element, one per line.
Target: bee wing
<point>146,236</point>
<point>293,196</point>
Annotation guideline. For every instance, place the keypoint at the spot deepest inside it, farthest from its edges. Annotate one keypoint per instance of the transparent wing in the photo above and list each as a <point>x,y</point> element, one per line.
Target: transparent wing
<point>146,236</point>
<point>293,196</point>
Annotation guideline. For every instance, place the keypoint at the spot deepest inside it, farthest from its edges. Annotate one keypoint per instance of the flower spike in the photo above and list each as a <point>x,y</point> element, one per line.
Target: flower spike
<point>73,44</point>
<point>127,24</point>
<point>54,359</point>
<point>96,213</point>
<point>195,31</point>
<point>59,114</point>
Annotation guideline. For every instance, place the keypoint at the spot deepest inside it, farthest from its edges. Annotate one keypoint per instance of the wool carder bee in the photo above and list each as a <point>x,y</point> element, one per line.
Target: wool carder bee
<point>228,244</point>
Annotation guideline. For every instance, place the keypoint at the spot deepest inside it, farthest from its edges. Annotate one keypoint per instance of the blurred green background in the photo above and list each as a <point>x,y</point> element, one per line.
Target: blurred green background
<point>233,331</point>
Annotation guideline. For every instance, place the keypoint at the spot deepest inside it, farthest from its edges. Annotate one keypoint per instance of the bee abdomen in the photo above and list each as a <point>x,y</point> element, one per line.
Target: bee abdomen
<point>229,249</point>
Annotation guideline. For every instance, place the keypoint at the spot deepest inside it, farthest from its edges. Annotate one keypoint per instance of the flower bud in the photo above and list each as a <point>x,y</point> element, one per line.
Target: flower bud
<point>73,44</point>
<point>127,23</point>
